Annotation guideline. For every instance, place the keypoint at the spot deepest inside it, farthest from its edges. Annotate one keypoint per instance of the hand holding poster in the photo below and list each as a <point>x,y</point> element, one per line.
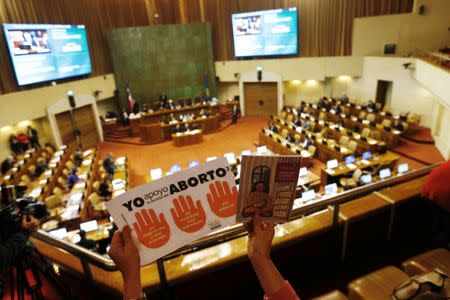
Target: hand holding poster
<point>175,210</point>
<point>267,186</point>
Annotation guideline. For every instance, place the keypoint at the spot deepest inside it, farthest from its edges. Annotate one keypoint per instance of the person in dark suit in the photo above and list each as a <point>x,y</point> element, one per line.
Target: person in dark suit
<point>85,242</point>
<point>41,167</point>
<point>34,138</point>
<point>105,189</point>
<point>398,125</point>
<point>14,144</point>
<point>7,164</point>
<point>78,157</point>
<point>73,178</point>
<point>108,164</point>
<point>373,106</point>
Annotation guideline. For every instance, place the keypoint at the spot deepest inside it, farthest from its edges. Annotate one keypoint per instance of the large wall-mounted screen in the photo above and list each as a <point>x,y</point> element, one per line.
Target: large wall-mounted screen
<point>46,52</point>
<point>265,33</point>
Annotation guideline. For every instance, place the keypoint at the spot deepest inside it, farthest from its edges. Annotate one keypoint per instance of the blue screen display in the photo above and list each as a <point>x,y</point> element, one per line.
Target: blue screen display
<point>46,52</point>
<point>265,33</point>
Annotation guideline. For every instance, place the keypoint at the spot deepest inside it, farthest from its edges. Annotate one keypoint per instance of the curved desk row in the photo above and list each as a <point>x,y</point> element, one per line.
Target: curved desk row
<point>225,253</point>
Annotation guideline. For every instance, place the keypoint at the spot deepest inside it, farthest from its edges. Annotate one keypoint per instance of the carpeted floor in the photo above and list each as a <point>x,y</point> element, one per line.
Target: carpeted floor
<point>143,158</point>
<point>235,138</point>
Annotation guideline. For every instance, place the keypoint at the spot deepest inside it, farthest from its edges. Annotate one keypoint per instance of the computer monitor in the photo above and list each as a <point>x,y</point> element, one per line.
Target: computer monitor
<point>261,149</point>
<point>59,233</point>
<point>246,152</point>
<point>89,226</point>
<point>156,173</point>
<point>403,168</point>
<point>193,163</point>
<point>175,168</point>
<point>367,155</point>
<point>303,171</point>
<point>308,195</point>
<point>349,159</point>
<point>385,173</point>
<point>366,178</point>
<point>331,189</point>
<point>231,158</point>
<point>331,164</point>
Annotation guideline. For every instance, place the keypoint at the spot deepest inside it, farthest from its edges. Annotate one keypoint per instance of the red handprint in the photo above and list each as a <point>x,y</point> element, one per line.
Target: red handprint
<point>151,232</point>
<point>222,199</point>
<point>187,216</point>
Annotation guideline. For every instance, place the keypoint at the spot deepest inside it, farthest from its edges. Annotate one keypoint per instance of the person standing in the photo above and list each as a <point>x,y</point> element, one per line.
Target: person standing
<point>16,148</point>
<point>33,137</point>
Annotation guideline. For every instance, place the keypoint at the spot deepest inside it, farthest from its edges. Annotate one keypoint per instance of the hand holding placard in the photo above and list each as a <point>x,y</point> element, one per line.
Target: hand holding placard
<point>222,199</point>
<point>151,232</point>
<point>187,216</point>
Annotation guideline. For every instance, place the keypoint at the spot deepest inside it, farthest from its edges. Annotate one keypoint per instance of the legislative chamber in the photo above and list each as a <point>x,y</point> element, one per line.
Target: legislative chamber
<point>106,105</point>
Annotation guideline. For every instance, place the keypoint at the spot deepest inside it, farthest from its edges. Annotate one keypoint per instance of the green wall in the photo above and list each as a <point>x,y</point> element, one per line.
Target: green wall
<point>169,58</point>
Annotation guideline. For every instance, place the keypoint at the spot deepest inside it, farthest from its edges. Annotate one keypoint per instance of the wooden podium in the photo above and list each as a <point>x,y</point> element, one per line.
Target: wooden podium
<point>187,138</point>
<point>151,133</point>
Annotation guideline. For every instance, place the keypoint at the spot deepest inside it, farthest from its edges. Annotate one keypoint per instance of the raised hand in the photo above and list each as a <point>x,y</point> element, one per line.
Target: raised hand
<point>151,231</point>
<point>222,199</point>
<point>187,216</point>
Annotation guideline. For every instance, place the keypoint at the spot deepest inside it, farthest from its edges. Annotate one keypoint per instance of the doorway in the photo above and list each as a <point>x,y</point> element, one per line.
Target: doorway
<point>384,93</point>
<point>261,98</point>
<point>84,119</point>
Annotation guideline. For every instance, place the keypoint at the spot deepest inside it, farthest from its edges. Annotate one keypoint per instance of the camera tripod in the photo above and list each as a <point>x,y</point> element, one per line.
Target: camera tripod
<point>26,277</point>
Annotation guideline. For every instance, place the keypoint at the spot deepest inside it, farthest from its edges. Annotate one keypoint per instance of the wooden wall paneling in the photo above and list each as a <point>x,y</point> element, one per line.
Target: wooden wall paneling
<point>254,92</point>
<point>325,25</point>
<point>84,118</point>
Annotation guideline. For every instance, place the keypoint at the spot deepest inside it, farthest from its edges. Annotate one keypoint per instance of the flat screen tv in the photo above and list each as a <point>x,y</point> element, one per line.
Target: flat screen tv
<point>46,52</point>
<point>265,33</point>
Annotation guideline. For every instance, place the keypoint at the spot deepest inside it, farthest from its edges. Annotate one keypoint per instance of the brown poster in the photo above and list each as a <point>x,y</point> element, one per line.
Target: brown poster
<point>267,186</point>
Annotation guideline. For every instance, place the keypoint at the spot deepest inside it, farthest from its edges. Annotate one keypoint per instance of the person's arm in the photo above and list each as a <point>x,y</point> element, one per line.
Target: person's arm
<point>125,255</point>
<point>259,243</point>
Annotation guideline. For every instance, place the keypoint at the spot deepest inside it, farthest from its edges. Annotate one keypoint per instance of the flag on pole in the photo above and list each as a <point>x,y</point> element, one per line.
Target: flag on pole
<point>206,84</point>
<point>130,100</point>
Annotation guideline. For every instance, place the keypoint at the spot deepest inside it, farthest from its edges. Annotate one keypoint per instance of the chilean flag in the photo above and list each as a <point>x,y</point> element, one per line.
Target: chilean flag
<point>130,100</point>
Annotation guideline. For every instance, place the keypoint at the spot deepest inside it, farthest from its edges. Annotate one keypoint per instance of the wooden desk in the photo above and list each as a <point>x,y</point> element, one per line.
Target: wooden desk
<point>134,125</point>
<point>150,133</point>
<point>329,176</point>
<point>157,116</point>
<point>392,138</point>
<point>187,138</point>
<point>324,152</point>
<point>207,125</point>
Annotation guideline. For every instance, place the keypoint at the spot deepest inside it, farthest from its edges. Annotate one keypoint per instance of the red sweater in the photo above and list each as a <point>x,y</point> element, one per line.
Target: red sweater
<point>437,187</point>
<point>284,293</point>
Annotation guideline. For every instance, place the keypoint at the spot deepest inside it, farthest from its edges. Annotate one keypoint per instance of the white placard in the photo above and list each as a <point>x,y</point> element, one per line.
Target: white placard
<point>170,212</point>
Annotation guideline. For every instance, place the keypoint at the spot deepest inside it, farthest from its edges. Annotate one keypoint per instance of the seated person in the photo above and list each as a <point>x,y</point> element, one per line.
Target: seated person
<point>356,128</point>
<point>344,98</point>
<point>105,189</point>
<point>180,128</point>
<point>337,109</point>
<point>290,138</point>
<point>274,128</point>
<point>41,167</point>
<point>169,104</point>
<point>7,164</point>
<point>297,122</point>
<point>373,106</point>
<point>78,157</point>
<point>85,242</point>
<point>108,164</point>
<point>73,178</point>
<point>322,103</point>
<point>398,125</point>
<point>306,125</point>
<point>259,202</point>
<point>306,143</point>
